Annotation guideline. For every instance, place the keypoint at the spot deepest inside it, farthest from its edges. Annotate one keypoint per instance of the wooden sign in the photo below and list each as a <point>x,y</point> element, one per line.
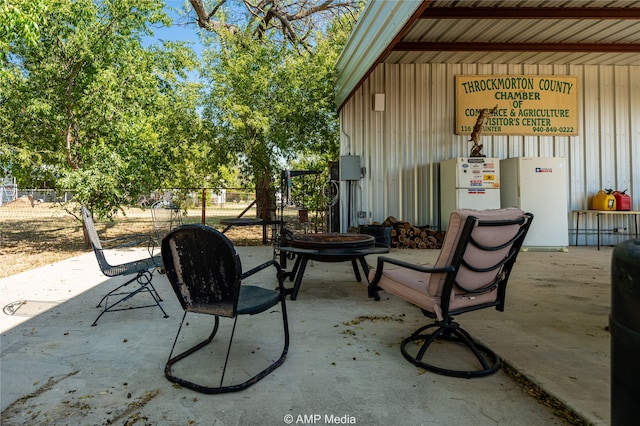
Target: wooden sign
<point>526,105</point>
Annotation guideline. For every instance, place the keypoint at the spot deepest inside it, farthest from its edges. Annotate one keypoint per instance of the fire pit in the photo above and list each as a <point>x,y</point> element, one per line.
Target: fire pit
<point>333,242</point>
<point>329,247</point>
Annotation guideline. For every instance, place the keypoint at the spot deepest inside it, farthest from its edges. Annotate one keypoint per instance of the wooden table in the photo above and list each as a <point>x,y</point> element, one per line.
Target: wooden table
<point>599,213</point>
<point>249,221</point>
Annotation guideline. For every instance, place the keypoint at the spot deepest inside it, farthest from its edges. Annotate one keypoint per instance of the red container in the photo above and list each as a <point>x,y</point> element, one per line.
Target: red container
<point>623,200</point>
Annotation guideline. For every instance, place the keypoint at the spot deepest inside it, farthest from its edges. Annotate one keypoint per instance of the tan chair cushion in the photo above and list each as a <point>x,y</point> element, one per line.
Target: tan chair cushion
<point>473,255</point>
<point>424,289</point>
<point>409,285</point>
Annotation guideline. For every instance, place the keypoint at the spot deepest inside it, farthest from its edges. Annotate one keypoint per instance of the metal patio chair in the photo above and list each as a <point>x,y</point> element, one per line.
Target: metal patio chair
<point>471,273</point>
<point>166,216</point>
<point>140,270</point>
<point>205,272</point>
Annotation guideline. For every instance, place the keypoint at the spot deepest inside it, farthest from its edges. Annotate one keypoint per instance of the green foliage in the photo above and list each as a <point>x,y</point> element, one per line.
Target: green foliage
<point>268,103</point>
<point>20,20</point>
<point>93,107</point>
<point>86,107</point>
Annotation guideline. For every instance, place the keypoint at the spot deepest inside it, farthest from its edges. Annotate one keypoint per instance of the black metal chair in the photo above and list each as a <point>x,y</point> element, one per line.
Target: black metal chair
<point>166,216</point>
<point>142,270</point>
<point>205,272</point>
<point>471,273</point>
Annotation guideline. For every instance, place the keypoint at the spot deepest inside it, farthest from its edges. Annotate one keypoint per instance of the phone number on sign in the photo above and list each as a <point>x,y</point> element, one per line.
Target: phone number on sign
<point>553,129</point>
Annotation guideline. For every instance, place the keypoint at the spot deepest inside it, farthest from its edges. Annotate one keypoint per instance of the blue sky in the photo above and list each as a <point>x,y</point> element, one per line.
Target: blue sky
<point>183,28</point>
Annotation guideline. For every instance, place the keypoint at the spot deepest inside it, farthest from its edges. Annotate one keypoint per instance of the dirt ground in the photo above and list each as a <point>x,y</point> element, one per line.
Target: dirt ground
<point>28,253</point>
<point>23,257</point>
<point>31,237</point>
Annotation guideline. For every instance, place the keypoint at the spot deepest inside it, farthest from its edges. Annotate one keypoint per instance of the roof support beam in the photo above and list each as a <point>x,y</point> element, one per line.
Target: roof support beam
<point>618,13</point>
<point>516,47</point>
<point>389,48</point>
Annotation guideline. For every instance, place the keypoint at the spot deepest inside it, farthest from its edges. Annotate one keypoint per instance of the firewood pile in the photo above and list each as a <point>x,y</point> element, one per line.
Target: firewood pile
<point>404,235</point>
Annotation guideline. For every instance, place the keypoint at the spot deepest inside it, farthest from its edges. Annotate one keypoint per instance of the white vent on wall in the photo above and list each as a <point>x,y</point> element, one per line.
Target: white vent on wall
<point>378,102</point>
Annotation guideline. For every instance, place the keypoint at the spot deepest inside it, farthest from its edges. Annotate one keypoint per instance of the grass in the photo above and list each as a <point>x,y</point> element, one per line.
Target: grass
<point>31,237</point>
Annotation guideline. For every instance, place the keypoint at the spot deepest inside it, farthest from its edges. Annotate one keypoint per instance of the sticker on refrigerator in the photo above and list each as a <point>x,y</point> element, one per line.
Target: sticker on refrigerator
<point>544,170</point>
<point>476,191</point>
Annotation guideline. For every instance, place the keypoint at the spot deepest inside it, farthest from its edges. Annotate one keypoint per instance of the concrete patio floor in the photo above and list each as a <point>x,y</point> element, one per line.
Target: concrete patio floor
<point>344,363</point>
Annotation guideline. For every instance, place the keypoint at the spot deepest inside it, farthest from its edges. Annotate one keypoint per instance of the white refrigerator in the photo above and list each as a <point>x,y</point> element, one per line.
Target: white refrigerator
<point>538,185</point>
<point>468,183</point>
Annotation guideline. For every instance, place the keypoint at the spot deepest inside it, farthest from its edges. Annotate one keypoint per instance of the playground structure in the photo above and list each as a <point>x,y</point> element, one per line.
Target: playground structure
<point>8,190</point>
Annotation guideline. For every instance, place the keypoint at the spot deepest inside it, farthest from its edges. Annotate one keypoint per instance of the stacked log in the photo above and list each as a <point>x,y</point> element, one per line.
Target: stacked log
<point>405,235</point>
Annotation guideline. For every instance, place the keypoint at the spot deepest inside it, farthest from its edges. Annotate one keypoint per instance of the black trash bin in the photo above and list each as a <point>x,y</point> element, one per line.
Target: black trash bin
<point>624,324</point>
<point>381,233</point>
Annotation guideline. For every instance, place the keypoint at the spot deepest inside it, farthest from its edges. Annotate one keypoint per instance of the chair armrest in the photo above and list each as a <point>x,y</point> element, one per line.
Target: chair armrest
<point>373,285</point>
<point>126,241</point>
<point>263,266</point>
<point>383,259</point>
<point>132,241</point>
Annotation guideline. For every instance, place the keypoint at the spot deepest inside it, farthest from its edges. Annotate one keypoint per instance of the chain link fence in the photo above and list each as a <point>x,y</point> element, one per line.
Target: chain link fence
<point>38,216</point>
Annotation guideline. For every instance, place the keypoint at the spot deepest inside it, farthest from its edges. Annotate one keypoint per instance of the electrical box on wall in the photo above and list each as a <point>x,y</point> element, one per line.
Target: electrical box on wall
<point>350,167</point>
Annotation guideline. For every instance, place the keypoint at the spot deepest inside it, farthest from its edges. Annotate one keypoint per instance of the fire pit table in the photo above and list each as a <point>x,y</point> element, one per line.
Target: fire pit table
<point>329,247</point>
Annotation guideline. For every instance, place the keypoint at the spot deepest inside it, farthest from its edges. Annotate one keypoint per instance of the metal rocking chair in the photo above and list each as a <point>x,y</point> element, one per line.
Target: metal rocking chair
<point>204,270</point>
<point>142,271</point>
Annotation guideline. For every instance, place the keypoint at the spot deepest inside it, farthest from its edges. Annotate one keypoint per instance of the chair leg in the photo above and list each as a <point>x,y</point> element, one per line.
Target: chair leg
<point>230,388</point>
<point>155,293</point>
<point>144,280</point>
<point>283,355</point>
<point>114,291</point>
<point>173,360</point>
<point>450,331</point>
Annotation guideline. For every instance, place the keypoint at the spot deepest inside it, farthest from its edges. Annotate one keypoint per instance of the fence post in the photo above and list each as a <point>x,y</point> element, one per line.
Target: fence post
<point>624,324</point>
<point>203,219</point>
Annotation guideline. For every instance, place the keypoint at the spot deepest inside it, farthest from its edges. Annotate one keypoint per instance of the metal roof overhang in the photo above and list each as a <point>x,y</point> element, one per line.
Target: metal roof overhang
<point>490,31</point>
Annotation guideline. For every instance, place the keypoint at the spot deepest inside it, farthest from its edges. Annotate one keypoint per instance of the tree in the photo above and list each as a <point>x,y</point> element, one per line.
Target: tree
<point>20,20</point>
<point>84,105</point>
<point>88,103</point>
<point>268,100</point>
<point>296,22</point>
<point>267,106</point>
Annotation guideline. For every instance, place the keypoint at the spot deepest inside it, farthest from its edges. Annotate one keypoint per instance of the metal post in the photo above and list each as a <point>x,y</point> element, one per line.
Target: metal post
<point>624,323</point>
<point>203,219</point>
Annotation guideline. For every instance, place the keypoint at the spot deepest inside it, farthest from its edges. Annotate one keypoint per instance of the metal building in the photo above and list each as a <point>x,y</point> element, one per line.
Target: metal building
<point>397,99</point>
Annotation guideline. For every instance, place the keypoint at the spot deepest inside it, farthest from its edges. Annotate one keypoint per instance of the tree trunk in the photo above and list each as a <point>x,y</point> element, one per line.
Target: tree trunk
<point>265,200</point>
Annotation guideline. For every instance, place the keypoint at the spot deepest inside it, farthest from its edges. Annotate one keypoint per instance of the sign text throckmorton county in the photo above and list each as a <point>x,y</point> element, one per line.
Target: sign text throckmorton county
<point>526,105</point>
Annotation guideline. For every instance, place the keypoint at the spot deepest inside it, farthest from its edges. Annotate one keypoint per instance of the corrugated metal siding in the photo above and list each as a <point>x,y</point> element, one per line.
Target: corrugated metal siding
<point>366,43</point>
<point>521,31</point>
<point>402,146</point>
